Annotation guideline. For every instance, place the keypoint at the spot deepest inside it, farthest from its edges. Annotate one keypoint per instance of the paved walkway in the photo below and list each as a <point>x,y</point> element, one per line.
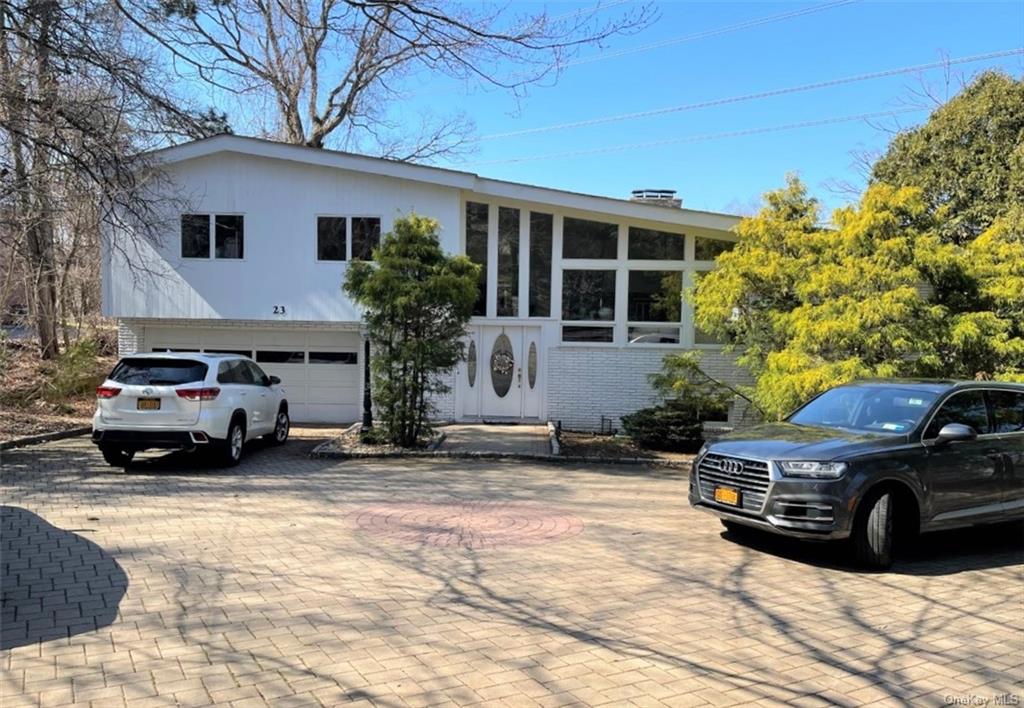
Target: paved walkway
<point>518,439</point>
<point>295,582</point>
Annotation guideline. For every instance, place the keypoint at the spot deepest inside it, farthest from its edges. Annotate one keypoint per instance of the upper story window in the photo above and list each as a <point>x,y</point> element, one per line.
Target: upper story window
<point>365,237</point>
<point>330,238</point>
<point>582,238</point>
<point>541,230</point>
<point>588,295</point>
<point>508,262</point>
<point>707,249</point>
<point>228,235</point>
<point>651,245</point>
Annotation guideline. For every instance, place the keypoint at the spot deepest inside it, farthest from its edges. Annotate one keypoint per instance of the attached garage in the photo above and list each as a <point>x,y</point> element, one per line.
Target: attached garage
<point>319,369</point>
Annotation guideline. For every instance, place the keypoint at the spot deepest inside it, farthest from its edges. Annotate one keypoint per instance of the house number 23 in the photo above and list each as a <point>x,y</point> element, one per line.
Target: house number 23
<point>279,310</point>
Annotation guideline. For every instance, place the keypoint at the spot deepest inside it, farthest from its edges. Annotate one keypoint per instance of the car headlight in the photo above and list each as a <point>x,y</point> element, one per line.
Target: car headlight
<point>813,470</point>
<point>703,449</point>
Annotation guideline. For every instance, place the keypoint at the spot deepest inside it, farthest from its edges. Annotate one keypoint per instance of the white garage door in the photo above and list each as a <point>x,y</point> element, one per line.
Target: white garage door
<point>320,371</point>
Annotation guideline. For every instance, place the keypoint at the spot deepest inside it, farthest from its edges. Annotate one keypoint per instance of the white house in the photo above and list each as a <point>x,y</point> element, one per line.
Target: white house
<point>569,322</point>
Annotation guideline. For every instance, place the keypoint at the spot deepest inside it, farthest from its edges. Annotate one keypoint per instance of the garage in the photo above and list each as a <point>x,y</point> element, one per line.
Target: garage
<point>319,370</point>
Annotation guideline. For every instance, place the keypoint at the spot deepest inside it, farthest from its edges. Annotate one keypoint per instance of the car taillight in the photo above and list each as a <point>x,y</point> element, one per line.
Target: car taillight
<point>198,394</point>
<point>107,391</point>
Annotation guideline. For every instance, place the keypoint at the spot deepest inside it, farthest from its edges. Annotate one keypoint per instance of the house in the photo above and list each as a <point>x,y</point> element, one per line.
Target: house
<point>579,295</point>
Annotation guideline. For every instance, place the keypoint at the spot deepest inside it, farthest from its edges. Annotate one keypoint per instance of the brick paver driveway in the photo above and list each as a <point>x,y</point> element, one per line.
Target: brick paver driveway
<point>289,581</point>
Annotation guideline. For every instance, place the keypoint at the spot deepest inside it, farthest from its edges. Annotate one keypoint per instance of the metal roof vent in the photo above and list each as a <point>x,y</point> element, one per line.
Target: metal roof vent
<point>658,197</point>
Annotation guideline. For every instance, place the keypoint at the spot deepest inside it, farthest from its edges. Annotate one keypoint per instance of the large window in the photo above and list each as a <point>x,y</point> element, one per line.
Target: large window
<point>655,295</point>
<point>330,238</point>
<point>707,249</point>
<point>588,295</point>
<point>589,239</point>
<point>365,237</point>
<point>541,229</point>
<point>195,235</point>
<point>508,262</point>
<point>229,233</point>
<point>647,244</point>
<point>476,249</point>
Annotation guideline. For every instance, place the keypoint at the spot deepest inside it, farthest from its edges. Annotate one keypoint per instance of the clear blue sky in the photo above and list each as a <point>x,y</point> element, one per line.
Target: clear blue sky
<point>730,174</point>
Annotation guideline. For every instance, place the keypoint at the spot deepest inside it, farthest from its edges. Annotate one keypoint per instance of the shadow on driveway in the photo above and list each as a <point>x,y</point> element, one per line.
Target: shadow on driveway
<point>54,584</point>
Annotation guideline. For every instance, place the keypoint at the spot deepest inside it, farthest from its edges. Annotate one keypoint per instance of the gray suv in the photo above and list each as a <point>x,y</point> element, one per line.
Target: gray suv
<point>873,461</point>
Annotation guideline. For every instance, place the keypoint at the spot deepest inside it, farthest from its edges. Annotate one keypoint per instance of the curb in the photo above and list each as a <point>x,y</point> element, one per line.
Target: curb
<point>44,437</point>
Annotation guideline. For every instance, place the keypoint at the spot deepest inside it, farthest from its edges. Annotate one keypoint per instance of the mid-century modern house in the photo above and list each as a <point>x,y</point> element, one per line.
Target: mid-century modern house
<point>578,294</point>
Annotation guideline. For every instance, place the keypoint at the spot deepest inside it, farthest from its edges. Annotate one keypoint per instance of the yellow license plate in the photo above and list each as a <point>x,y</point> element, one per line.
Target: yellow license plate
<point>724,495</point>
<point>149,404</point>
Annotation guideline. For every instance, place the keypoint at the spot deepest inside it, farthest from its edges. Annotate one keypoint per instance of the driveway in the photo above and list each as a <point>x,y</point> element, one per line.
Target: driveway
<point>290,581</point>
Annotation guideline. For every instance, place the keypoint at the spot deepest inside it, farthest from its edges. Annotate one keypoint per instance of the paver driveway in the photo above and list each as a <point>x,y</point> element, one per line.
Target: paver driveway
<point>288,581</point>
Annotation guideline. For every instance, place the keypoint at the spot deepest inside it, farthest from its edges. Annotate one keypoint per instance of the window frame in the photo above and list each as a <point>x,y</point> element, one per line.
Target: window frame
<point>213,236</point>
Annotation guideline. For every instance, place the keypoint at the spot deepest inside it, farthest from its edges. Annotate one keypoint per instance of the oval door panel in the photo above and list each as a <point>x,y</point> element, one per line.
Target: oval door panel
<point>471,363</point>
<point>531,365</point>
<point>503,363</point>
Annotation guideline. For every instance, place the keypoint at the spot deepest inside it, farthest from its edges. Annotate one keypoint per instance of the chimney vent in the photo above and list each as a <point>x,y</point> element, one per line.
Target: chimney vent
<point>658,197</point>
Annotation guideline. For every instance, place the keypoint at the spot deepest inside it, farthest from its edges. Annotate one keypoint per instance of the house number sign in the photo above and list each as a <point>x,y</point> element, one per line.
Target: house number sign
<point>280,310</point>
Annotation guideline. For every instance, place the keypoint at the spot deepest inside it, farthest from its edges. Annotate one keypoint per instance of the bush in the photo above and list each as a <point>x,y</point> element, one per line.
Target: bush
<point>74,373</point>
<point>675,426</point>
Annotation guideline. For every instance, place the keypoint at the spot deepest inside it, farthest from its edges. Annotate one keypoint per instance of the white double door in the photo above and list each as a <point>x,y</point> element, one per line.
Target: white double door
<point>504,372</point>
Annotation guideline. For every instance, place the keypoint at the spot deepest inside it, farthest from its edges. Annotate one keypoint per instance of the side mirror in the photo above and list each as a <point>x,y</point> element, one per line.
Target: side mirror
<point>956,432</point>
<point>274,380</point>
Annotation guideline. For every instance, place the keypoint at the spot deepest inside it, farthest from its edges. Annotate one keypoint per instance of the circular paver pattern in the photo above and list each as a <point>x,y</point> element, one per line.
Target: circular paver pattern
<point>468,524</point>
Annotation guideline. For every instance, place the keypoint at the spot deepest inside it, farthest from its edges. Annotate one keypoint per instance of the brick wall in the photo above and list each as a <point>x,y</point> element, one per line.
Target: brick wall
<point>586,383</point>
<point>130,337</point>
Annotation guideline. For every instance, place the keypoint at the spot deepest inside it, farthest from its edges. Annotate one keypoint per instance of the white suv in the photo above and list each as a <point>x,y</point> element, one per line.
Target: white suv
<point>187,401</point>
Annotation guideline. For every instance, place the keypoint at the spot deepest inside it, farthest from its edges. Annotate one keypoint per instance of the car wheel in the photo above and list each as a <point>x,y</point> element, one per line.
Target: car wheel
<point>231,448</point>
<point>282,424</point>
<point>116,457</point>
<point>872,531</point>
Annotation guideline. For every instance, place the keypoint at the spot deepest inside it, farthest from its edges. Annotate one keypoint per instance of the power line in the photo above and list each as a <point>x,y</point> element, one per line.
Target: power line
<point>712,32</point>
<point>705,136</point>
<point>754,96</point>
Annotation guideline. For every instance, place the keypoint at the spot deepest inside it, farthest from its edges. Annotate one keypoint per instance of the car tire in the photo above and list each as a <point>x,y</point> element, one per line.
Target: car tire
<point>116,457</point>
<point>230,452</point>
<point>282,424</point>
<point>873,531</point>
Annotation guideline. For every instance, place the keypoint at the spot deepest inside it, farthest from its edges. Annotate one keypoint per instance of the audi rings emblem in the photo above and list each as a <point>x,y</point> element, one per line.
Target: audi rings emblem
<point>732,466</point>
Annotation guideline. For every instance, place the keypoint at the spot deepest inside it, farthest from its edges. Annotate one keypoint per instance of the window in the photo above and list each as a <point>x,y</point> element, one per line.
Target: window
<point>508,262</point>
<point>333,358</point>
<point>330,238</point>
<point>541,228</point>
<point>588,295</point>
<point>653,335</point>
<point>589,239</point>
<point>702,337</point>
<point>967,408</point>
<point>655,295</point>
<point>195,235</point>
<point>707,249</point>
<point>258,376</point>
<point>1008,411</point>
<point>878,409</point>
<point>235,352</point>
<point>476,249</point>
<point>229,235</point>
<point>234,371</point>
<point>144,371</point>
<point>647,244</point>
<point>575,333</point>
<point>275,357</point>
<point>365,237</point>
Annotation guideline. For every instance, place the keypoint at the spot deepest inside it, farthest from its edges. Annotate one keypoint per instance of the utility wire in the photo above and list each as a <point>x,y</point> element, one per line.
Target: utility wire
<point>755,96</point>
<point>705,136</point>
<point>711,32</point>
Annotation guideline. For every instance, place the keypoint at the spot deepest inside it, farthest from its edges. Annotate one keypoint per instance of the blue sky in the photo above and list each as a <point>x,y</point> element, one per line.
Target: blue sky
<point>730,174</point>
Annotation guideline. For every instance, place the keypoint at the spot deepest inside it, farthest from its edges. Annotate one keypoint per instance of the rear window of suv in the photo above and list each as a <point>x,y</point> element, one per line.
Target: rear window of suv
<point>158,372</point>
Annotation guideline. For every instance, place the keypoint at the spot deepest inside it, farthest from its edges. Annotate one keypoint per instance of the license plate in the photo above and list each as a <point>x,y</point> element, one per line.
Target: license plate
<point>724,495</point>
<point>149,404</point>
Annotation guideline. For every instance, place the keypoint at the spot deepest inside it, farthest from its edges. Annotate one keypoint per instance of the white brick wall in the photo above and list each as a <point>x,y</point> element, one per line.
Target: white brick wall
<point>585,383</point>
<point>130,337</point>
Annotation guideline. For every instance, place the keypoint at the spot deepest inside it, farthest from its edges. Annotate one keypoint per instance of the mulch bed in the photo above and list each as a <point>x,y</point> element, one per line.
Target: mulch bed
<point>350,442</point>
<point>612,447</point>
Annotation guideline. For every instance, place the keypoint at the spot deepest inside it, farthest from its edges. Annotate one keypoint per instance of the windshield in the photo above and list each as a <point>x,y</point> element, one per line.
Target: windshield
<point>158,372</point>
<point>876,409</point>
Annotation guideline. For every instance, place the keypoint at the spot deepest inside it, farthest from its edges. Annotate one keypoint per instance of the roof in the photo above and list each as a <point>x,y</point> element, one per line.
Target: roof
<point>457,179</point>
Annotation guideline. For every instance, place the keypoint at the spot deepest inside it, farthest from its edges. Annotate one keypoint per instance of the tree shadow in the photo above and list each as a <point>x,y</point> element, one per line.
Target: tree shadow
<point>54,583</point>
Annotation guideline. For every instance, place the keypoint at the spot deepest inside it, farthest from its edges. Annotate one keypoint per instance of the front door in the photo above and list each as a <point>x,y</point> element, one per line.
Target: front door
<point>508,371</point>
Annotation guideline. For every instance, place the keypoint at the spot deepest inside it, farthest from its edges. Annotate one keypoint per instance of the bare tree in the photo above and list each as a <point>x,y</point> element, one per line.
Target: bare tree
<point>78,104</point>
<point>337,67</point>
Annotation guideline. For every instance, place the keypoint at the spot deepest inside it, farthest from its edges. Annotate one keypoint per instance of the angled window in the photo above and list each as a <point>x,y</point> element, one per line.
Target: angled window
<point>229,232</point>
<point>330,238</point>
<point>582,238</point>
<point>651,245</point>
<point>195,235</point>
<point>365,237</point>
